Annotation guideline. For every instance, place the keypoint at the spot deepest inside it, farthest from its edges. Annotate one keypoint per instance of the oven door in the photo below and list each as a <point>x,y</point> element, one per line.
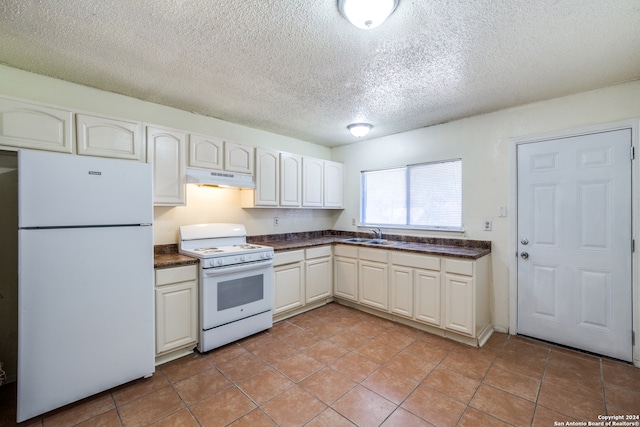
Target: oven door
<point>233,293</point>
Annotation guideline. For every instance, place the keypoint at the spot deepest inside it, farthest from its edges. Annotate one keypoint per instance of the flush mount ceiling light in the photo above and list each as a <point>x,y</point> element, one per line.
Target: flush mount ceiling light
<point>367,14</point>
<point>359,129</point>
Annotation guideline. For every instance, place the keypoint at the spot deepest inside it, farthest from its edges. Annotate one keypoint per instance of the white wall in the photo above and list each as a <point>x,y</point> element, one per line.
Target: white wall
<point>483,144</point>
<point>208,205</point>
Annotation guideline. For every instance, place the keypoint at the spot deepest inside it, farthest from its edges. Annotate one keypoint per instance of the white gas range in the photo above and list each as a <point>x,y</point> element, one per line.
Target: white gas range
<point>235,282</point>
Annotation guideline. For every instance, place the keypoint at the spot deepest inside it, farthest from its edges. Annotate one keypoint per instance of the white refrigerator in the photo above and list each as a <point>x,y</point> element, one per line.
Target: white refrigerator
<point>85,277</point>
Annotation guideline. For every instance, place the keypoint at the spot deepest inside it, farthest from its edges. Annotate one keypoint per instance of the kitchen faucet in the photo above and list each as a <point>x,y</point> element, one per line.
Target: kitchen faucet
<point>377,232</point>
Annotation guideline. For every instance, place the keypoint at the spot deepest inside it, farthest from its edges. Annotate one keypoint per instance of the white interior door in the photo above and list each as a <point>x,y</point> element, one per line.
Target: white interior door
<point>574,242</point>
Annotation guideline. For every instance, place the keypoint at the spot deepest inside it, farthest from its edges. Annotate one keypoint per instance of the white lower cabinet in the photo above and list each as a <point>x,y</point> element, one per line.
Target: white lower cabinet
<point>459,297</point>
<point>444,295</point>
<point>318,272</point>
<point>345,266</point>
<point>373,278</point>
<point>418,276</point>
<point>303,280</point>
<point>449,294</point>
<point>288,291</point>
<point>401,291</point>
<point>428,301</point>
<point>176,312</point>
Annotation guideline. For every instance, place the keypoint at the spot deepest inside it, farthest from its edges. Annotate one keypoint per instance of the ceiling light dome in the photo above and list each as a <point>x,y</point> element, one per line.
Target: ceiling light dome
<point>359,129</point>
<point>367,14</point>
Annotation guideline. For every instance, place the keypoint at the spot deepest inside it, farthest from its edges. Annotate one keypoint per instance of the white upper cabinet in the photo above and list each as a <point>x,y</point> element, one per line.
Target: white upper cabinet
<point>26,125</point>
<point>238,158</point>
<point>166,151</point>
<point>102,137</point>
<point>290,179</point>
<point>333,185</point>
<point>205,152</point>
<point>267,174</point>
<point>312,182</point>
<point>295,181</point>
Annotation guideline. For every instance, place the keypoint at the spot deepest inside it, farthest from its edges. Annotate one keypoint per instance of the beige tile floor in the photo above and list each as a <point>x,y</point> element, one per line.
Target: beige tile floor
<point>336,366</point>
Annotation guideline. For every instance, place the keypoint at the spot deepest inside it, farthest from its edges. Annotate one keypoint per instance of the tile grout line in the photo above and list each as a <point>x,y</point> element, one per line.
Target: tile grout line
<point>171,384</point>
<point>544,372</point>
<point>604,389</point>
<point>480,384</point>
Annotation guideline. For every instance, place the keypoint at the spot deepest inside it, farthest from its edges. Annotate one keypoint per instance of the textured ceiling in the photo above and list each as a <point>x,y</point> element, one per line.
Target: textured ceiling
<point>298,68</point>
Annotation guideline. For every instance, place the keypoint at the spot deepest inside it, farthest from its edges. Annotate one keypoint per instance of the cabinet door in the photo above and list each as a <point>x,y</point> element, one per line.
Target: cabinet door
<point>333,185</point>
<point>205,152</point>
<point>176,316</point>
<point>267,174</point>
<point>427,299</point>
<point>166,151</point>
<point>373,281</point>
<point>346,278</point>
<point>401,290</point>
<point>98,136</point>
<point>238,158</point>
<point>290,179</point>
<point>289,287</point>
<point>312,182</point>
<point>459,306</point>
<point>318,274</point>
<point>26,125</point>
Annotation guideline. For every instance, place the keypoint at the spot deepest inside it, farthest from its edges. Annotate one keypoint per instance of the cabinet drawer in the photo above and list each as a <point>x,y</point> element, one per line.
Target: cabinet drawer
<point>288,257</point>
<point>459,267</point>
<point>318,252</point>
<point>417,261</point>
<point>379,255</point>
<point>167,276</point>
<point>346,251</point>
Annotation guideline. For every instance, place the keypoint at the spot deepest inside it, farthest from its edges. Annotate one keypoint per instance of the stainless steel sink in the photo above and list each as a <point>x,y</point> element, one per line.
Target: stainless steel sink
<point>380,242</point>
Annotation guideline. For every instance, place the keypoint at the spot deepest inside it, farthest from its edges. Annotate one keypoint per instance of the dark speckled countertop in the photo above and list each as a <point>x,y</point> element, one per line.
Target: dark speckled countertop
<point>168,256</point>
<point>458,248</point>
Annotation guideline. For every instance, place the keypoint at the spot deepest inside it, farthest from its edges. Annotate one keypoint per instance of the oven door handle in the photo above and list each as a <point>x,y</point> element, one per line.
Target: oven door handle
<point>216,271</point>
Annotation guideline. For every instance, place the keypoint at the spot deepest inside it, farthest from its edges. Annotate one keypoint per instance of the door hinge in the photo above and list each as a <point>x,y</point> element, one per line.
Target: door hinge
<point>633,153</point>
<point>633,337</point>
<point>633,245</point>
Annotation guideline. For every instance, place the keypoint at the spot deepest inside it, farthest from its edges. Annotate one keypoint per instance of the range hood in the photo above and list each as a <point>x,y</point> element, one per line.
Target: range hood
<point>219,178</point>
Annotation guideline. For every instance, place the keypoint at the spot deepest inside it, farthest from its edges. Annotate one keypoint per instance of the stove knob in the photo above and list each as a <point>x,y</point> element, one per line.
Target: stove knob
<point>211,263</point>
<point>219,261</point>
<point>243,258</point>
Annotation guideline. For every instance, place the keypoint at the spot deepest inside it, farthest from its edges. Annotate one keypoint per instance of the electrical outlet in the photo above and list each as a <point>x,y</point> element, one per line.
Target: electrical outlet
<point>487,224</point>
<point>276,221</point>
<point>353,221</point>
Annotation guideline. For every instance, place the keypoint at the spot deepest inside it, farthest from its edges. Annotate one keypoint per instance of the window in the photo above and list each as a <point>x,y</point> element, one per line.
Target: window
<point>425,195</point>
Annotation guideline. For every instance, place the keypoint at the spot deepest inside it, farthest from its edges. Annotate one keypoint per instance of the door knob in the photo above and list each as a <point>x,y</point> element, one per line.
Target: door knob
<point>524,255</point>
<point>524,241</point>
